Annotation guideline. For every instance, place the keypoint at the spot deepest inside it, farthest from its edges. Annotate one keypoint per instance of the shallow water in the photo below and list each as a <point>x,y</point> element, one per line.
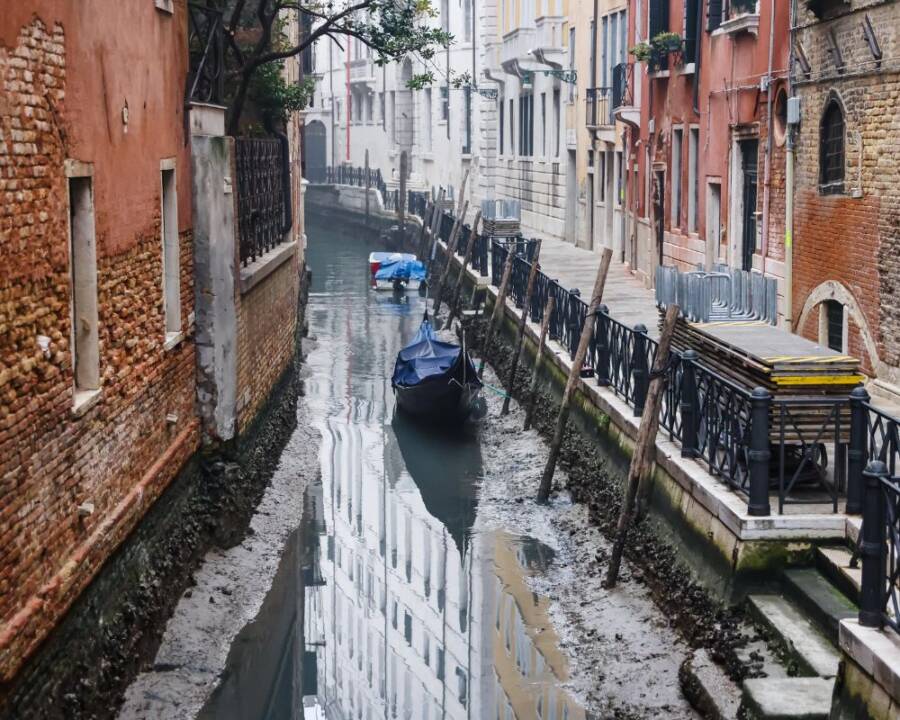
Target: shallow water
<point>386,604</point>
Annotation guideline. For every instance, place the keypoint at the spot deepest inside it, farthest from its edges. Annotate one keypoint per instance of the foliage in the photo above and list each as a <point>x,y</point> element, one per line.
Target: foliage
<point>666,42</point>
<point>256,37</point>
<point>273,98</point>
<point>642,51</point>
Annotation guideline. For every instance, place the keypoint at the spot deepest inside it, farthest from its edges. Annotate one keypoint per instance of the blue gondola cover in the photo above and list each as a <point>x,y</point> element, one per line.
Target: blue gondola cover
<point>424,357</point>
<point>401,269</point>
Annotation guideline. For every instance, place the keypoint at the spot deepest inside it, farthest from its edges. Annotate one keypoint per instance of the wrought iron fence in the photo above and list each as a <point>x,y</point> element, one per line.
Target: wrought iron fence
<point>206,54</point>
<point>262,210</point>
<point>622,85</point>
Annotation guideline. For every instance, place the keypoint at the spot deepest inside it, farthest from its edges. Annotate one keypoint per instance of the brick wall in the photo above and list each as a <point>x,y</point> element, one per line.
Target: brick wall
<point>852,239</point>
<point>266,326</point>
<point>122,452</point>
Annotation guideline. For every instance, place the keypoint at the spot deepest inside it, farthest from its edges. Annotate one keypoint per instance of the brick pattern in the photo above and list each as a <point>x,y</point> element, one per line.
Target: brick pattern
<point>266,326</point>
<point>853,238</point>
<point>51,461</point>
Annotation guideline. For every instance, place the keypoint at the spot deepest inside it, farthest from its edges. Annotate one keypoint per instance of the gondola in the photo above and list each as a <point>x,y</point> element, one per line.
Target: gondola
<point>395,271</point>
<point>435,380</point>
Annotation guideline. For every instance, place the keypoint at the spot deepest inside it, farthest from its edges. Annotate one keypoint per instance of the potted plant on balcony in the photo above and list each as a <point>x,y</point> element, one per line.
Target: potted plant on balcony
<point>667,42</point>
<point>642,52</point>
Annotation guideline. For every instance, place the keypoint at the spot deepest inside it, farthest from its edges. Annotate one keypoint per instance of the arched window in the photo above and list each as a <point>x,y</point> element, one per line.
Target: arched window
<point>831,150</point>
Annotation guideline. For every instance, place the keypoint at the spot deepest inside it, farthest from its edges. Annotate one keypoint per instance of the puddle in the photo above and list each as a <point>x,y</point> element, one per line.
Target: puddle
<point>387,604</point>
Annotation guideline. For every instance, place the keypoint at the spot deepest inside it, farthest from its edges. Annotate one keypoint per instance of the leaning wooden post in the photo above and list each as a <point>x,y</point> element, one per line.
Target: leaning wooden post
<point>644,449</point>
<point>435,223</point>
<point>574,373</point>
<point>368,186</point>
<point>532,386</point>
<point>523,321</point>
<point>401,201</point>
<point>426,221</point>
<point>462,194</point>
<point>449,252</point>
<point>498,311</point>
<point>470,246</point>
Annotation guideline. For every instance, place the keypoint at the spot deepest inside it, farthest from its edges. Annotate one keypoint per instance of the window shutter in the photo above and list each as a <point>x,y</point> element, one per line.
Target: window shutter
<point>659,17</point>
<point>713,14</point>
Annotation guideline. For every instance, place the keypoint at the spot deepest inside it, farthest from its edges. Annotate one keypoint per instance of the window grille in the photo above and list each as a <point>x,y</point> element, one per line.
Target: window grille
<point>831,149</point>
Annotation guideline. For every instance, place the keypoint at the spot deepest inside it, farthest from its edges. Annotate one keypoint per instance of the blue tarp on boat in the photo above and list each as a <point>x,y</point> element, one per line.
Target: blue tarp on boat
<point>400,269</point>
<point>424,357</point>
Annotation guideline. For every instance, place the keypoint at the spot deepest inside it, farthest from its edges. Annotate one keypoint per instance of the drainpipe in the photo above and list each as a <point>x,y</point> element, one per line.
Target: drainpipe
<point>349,102</point>
<point>768,161</point>
<point>789,197</point>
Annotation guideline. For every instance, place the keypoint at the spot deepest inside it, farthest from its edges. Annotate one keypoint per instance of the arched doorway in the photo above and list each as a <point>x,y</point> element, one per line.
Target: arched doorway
<point>315,151</point>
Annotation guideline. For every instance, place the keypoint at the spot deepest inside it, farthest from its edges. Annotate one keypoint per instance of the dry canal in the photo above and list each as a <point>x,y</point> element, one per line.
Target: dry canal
<point>396,571</point>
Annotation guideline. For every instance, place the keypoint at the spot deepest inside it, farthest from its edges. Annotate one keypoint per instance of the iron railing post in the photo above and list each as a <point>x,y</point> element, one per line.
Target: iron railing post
<point>759,453</point>
<point>601,339</point>
<point>640,373</point>
<point>690,405</point>
<point>872,548</point>
<point>856,455</point>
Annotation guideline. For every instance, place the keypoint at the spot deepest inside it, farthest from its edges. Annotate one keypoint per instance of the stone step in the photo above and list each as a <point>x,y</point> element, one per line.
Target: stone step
<point>787,698</point>
<point>797,634</point>
<point>833,561</point>
<point>709,690</point>
<point>816,596</point>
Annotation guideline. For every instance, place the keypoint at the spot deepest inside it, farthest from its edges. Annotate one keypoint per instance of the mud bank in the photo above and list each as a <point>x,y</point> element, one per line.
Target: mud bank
<point>114,628</point>
<point>593,475</point>
<point>610,637</point>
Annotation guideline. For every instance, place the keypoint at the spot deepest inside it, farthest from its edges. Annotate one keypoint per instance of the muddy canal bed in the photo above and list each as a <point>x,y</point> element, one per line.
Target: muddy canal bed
<point>396,571</point>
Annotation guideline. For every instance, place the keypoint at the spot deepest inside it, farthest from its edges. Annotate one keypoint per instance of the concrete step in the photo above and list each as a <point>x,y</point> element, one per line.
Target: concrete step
<point>787,698</point>
<point>813,592</point>
<point>833,561</point>
<point>709,690</point>
<point>812,651</point>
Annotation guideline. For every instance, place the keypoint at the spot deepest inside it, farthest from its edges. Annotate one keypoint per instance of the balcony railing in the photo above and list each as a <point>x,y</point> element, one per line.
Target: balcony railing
<point>623,85</point>
<point>206,76</point>
<point>598,107</point>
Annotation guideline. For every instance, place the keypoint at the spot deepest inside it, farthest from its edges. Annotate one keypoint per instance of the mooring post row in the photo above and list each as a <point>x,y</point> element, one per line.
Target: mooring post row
<point>760,453</point>
<point>857,452</point>
<point>690,405</point>
<point>640,373</point>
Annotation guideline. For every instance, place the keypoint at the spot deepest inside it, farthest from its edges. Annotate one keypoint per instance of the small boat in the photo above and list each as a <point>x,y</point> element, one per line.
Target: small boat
<point>434,379</point>
<point>395,271</point>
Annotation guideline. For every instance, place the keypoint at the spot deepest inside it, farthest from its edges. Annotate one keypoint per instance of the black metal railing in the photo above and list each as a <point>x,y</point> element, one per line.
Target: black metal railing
<point>598,107</point>
<point>262,210</point>
<point>623,85</point>
<point>206,55</point>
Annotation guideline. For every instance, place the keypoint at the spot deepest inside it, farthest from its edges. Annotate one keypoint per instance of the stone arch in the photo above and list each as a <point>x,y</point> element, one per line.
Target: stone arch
<point>833,290</point>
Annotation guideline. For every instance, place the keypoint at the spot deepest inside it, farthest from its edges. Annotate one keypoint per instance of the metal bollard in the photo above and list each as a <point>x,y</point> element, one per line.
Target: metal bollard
<point>760,453</point>
<point>640,373</point>
<point>601,338</point>
<point>690,405</point>
<point>872,549</point>
<point>856,454</point>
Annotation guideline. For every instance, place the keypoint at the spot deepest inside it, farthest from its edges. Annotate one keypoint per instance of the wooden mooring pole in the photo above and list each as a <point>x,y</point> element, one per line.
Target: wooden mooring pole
<point>497,313</point>
<point>401,200</point>
<point>523,321</point>
<point>449,252</point>
<point>645,447</point>
<point>433,233</point>
<point>587,333</point>
<point>426,221</point>
<point>470,246</point>
<point>532,386</point>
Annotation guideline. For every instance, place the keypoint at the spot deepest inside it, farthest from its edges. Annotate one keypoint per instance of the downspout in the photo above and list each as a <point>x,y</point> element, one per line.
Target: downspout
<point>331,88</point>
<point>767,179</point>
<point>789,197</point>
<point>698,50</point>
<point>349,103</point>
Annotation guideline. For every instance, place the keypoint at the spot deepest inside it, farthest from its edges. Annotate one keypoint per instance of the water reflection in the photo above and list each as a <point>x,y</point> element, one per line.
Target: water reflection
<point>400,610</point>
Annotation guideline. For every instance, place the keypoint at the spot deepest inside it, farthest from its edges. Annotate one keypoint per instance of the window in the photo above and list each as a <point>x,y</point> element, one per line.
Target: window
<point>571,63</point>
<point>171,280</point>
<point>601,172</point>
<point>713,15</point>
<point>557,122</point>
<point>691,28</point>
<point>512,127</point>
<point>831,150</point>
<point>544,124</point>
<point>445,103</point>
<point>693,172</point>
<point>83,249</point>
<point>677,139</point>
<point>428,120</point>
<point>526,125</point>
<point>370,109</point>
<point>467,130</point>
<point>445,15</point>
<point>831,329</point>
<point>502,105</point>
<point>383,113</point>
<point>467,21</point>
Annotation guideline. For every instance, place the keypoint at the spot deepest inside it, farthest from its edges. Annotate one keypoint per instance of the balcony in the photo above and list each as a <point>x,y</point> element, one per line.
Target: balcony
<point>549,48</point>
<point>742,16</point>
<point>599,109</point>
<point>362,71</point>
<point>515,54</point>
<point>624,103</point>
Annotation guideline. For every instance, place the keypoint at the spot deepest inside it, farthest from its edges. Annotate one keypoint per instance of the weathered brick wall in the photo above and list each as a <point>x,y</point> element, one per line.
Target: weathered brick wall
<point>853,238</point>
<point>122,452</point>
<point>266,326</point>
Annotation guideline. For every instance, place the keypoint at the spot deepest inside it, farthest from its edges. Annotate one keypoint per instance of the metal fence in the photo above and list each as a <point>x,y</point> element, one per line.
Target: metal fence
<point>206,53</point>
<point>263,214</point>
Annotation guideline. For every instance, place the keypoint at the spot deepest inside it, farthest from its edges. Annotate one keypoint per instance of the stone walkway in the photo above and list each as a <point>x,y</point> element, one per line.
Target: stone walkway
<point>628,300</point>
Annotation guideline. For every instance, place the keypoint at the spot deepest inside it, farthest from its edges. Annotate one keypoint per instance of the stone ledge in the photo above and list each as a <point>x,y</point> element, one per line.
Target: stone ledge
<point>257,271</point>
<point>877,652</point>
